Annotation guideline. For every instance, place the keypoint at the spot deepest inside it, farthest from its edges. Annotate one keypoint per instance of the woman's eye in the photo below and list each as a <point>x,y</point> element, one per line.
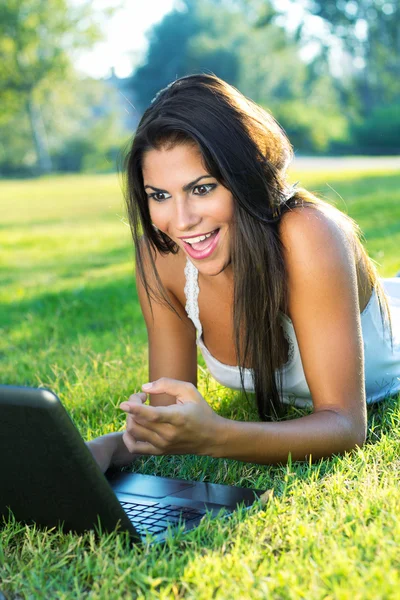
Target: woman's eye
<point>159,196</point>
<point>204,189</point>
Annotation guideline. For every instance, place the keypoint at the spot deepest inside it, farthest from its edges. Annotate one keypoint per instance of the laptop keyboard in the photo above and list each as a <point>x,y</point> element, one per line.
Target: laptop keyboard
<point>155,517</point>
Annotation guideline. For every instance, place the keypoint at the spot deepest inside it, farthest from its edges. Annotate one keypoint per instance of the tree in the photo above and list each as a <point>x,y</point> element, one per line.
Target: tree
<point>35,39</point>
<point>369,32</point>
<point>166,55</point>
<point>206,36</point>
<point>242,42</point>
<point>88,127</point>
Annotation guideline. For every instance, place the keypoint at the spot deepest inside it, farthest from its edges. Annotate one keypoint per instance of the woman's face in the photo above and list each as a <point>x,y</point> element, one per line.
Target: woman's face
<point>187,203</point>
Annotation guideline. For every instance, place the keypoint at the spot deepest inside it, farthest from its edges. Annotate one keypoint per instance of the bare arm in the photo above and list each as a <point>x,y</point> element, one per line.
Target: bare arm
<point>318,435</point>
<point>171,336</point>
<point>109,450</point>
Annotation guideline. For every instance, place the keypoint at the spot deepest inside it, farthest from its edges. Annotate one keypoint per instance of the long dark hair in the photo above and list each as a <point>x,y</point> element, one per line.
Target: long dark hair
<point>245,149</point>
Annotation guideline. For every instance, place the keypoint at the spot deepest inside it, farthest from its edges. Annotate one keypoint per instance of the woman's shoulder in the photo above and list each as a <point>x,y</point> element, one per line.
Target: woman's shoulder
<point>319,240</point>
<point>316,230</point>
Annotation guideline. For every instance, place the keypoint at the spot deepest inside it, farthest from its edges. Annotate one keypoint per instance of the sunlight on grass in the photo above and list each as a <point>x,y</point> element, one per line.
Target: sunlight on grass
<point>70,320</point>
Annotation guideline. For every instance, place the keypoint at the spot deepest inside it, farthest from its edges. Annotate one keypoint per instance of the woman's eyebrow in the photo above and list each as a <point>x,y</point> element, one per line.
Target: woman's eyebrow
<point>185,187</point>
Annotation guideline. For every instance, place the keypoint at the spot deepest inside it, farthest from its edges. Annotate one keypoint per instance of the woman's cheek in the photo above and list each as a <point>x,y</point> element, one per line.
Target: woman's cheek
<point>159,216</point>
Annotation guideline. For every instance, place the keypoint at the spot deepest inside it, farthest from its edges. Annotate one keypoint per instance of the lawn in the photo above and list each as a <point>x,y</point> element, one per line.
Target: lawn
<point>70,320</point>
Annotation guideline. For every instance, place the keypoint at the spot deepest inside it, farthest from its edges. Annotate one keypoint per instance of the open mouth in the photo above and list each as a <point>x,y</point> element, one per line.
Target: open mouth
<point>202,246</point>
<point>202,242</point>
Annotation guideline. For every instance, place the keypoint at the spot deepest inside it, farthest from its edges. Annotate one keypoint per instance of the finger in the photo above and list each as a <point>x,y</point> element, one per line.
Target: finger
<point>138,397</point>
<point>148,449</point>
<point>129,442</point>
<point>134,400</point>
<point>135,447</point>
<point>129,439</point>
<point>143,434</point>
<point>153,416</point>
<point>130,421</point>
<point>182,390</point>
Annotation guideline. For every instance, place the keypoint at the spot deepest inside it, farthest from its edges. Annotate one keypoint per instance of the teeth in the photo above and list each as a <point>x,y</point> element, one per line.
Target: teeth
<point>198,239</point>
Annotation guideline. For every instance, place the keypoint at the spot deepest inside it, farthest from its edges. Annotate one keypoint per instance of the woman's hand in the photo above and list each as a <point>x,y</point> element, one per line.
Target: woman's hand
<point>188,427</point>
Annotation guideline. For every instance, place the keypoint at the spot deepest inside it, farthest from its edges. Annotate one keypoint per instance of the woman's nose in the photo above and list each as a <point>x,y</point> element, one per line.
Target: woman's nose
<point>185,216</point>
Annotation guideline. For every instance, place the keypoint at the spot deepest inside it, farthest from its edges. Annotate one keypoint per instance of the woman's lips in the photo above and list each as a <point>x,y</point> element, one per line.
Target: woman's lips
<point>211,244</point>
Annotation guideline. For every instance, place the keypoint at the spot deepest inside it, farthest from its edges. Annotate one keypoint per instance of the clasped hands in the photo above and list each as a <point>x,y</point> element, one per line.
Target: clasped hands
<point>189,426</point>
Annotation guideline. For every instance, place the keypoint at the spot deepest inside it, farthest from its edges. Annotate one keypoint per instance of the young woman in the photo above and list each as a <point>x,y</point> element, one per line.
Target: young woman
<point>270,282</point>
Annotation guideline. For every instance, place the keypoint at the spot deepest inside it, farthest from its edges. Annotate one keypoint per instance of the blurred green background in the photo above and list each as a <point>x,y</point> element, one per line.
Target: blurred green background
<point>329,71</point>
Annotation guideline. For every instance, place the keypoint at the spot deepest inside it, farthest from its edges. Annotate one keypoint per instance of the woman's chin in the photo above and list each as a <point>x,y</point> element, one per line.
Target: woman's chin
<point>214,268</point>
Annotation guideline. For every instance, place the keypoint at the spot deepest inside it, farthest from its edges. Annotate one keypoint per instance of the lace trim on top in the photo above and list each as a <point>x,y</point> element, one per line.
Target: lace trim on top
<point>192,309</point>
<point>192,293</point>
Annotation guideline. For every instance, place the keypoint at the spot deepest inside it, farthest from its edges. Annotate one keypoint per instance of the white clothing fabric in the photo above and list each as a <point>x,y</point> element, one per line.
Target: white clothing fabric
<point>381,360</point>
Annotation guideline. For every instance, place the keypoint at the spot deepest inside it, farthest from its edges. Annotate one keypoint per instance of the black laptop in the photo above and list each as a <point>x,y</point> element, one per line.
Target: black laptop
<point>49,477</point>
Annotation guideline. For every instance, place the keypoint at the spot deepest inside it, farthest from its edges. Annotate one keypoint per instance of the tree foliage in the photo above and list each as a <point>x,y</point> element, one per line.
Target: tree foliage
<point>369,33</point>
<point>36,39</point>
<point>247,43</point>
<point>242,42</point>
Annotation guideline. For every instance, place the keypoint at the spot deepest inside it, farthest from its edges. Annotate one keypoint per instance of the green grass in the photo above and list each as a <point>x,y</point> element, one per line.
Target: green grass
<point>70,320</point>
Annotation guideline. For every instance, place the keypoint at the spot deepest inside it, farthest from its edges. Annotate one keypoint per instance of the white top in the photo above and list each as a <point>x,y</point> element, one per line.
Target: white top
<point>381,361</point>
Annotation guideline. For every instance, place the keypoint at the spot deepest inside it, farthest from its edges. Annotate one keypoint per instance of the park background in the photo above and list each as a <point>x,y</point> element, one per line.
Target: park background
<point>328,71</point>
<point>70,320</point>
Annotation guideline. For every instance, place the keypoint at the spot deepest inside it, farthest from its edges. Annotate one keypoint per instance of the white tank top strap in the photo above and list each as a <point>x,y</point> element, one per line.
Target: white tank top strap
<point>192,294</point>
